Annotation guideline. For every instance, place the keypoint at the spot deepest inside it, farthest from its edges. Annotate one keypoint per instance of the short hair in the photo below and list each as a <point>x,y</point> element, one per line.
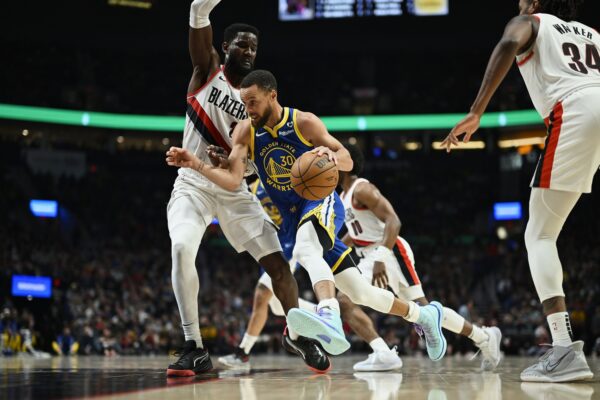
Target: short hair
<point>357,157</point>
<point>564,9</point>
<point>263,79</point>
<point>232,30</point>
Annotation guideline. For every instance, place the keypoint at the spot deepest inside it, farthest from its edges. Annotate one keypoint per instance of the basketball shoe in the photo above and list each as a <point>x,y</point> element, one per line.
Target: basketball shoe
<point>192,361</point>
<point>430,324</point>
<point>325,326</point>
<point>239,359</point>
<point>314,357</point>
<point>380,361</point>
<point>560,364</point>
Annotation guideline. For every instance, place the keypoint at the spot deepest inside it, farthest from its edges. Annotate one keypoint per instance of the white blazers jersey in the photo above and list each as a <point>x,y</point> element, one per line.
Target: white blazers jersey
<point>212,113</point>
<point>565,58</point>
<point>363,226</point>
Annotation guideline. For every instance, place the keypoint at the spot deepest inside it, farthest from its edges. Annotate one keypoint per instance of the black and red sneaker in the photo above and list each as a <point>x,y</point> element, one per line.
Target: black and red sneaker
<point>310,350</point>
<point>192,361</point>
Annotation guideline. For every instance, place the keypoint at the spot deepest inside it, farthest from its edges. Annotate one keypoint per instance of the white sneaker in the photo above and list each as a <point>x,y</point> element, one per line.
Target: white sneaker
<point>560,364</point>
<point>380,361</point>
<point>238,359</point>
<point>490,349</point>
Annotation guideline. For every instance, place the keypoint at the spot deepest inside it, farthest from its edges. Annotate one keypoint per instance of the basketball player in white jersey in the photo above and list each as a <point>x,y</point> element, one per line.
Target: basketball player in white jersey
<point>388,261</point>
<point>214,108</point>
<point>560,63</point>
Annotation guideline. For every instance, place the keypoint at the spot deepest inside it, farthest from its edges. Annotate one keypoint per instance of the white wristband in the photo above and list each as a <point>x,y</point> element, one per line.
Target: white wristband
<point>381,253</point>
<point>199,21</point>
<point>199,11</point>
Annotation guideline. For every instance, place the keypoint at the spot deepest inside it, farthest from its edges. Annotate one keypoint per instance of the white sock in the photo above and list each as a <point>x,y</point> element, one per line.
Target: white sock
<point>414,311</point>
<point>379,345</point>
<point>478,335</point>
<point>331,303</point>
<point>248,342</point>
<point>560,328</point>
<point>192,332</point>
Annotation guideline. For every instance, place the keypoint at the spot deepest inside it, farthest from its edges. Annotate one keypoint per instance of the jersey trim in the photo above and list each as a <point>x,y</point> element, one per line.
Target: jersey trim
<point>273,132</point>
<point>297,130</point>
<point>543,173</point>
<point>203,125</point>
<point>339,261</point>
<point>252,132</point>
<point>254,186</point>
<point>209,80</point>
<point>409,265</point>
<point>527,58</point>
<point>362,243</point>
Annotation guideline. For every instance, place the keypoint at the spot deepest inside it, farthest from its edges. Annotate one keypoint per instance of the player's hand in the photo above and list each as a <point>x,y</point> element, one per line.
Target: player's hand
<point>178,157</point>
<point>204,7</point>
<point>467,126</point>
<point>326,150</point>
<point>219,157</point>
<point>380,278</point>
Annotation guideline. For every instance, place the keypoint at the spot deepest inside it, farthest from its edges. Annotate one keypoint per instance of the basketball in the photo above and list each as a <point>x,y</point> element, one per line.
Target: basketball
<point>314,177</point>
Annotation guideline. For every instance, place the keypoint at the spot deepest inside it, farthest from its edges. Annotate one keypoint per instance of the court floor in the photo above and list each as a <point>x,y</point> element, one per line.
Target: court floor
<point>277,377</point>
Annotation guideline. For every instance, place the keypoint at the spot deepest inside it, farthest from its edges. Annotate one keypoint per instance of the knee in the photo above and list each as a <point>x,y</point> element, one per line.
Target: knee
<point>262,296</point>
<point>277,268</point>
<point>346,306</point>
<point>530,235</point>
<point>181,253</point>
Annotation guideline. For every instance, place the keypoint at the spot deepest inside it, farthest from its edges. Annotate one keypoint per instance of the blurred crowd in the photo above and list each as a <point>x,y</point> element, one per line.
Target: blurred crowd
<point>110,81</point>
<point>108,255</point>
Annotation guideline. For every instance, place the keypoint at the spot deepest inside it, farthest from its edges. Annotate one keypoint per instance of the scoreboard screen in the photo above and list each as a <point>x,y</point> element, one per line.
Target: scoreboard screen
<point>302,10</point>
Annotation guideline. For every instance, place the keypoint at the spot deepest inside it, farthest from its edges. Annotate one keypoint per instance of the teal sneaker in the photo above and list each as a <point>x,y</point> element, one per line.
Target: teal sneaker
<point>430,323</point>
<point>324,327</point>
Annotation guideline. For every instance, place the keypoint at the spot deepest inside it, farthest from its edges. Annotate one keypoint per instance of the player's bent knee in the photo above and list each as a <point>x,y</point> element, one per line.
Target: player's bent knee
<point>262,295</point>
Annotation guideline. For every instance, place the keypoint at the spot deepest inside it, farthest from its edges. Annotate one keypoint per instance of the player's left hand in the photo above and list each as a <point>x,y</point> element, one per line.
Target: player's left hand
<point>380,278</point>
<point>178,157</point>
<point>326,150</point>
<point>467,126</point>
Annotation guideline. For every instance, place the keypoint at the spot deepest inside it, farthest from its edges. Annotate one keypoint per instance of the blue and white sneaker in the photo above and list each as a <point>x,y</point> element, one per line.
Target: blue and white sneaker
<point>430,324</point>
<point>324,327</point>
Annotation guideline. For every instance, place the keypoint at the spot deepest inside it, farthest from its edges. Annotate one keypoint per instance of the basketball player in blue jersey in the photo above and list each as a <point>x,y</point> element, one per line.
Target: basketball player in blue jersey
<point>277,136</point>
<point>214,107</point>
<point>264,300</point>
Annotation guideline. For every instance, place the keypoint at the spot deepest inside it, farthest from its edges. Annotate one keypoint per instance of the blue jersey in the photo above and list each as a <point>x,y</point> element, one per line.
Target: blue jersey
<point>274,151</point>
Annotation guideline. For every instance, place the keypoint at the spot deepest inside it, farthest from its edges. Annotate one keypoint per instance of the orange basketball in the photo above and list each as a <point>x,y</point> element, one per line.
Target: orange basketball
<point>314,177</point>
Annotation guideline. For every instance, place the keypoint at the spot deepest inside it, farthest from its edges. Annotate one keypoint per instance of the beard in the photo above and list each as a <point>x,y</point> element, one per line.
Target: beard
<point>263,120</point>
<point>238,68</point>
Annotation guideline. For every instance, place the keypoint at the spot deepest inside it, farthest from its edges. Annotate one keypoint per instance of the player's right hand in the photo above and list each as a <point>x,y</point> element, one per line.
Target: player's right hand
<point>380,278</point>
<point>467,126</point>
<point>178,157</point>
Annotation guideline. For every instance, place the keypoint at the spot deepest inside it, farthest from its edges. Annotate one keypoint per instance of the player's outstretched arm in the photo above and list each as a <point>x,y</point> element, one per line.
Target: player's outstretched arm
<point>228,178</point>
<point>205,58</point>
<point>314,130</point>
<point>367,195</point>
<point>519,35</point>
